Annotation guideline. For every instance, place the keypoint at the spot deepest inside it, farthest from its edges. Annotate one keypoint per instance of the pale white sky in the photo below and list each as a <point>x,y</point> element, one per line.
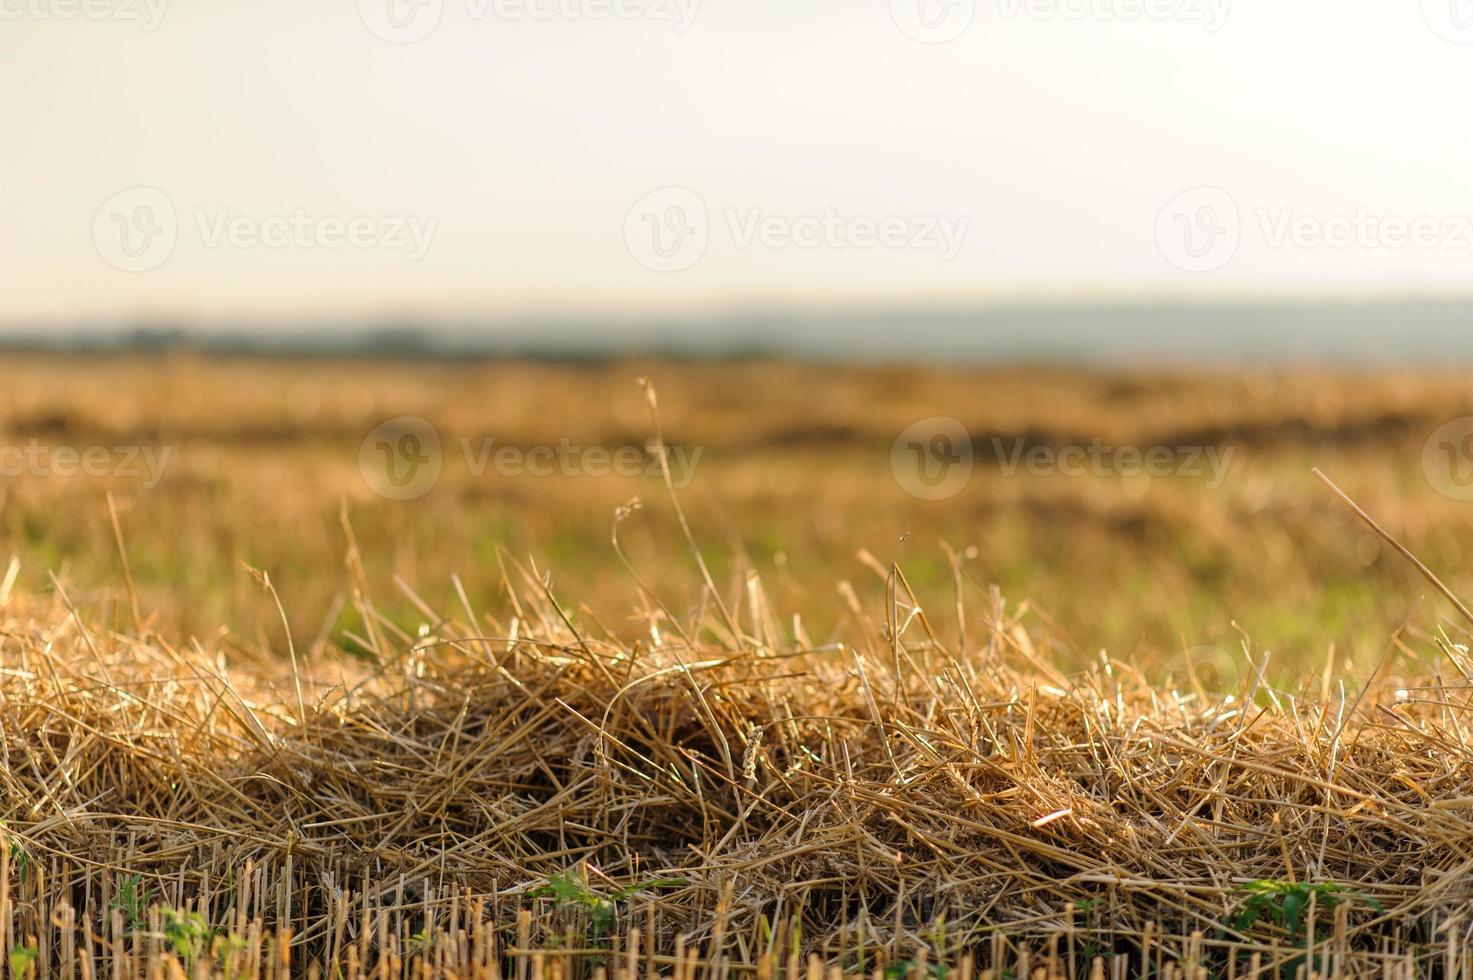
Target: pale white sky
<point>818,153</point>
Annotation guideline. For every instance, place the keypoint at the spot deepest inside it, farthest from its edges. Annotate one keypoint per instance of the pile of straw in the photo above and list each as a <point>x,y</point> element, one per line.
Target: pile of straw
<point>480,786</point>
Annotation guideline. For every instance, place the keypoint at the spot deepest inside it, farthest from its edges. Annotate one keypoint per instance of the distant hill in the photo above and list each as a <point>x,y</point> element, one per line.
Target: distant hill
<point>1413,331</point>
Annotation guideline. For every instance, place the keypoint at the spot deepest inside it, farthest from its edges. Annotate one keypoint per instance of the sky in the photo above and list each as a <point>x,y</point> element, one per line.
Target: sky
<point>215,160</point>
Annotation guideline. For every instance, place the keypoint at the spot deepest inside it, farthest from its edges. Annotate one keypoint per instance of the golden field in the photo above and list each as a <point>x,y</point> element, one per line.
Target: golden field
<point>794,477</point>
<point>1071,718</point>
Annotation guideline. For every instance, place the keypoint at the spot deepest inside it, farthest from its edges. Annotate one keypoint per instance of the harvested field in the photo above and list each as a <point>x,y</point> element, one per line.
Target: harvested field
<point>689,782</point>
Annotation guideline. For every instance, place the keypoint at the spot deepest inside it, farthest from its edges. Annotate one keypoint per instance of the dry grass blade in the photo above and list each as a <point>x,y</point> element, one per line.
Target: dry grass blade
<point>1402,549</point>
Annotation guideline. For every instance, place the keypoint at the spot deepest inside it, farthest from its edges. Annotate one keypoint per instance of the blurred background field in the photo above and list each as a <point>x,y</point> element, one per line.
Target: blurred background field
<point>794,480</point>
